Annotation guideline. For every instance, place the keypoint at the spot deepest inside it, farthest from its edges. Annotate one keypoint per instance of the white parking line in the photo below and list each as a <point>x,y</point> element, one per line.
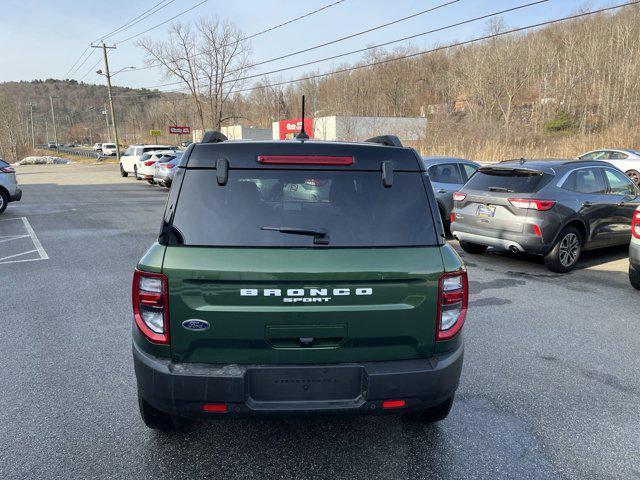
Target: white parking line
<point>39,249</point>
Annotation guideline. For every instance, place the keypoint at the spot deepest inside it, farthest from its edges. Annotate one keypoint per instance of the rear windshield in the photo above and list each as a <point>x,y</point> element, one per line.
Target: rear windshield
<point>506,180</point>
<point>3,163</point>
<point>353,209</point>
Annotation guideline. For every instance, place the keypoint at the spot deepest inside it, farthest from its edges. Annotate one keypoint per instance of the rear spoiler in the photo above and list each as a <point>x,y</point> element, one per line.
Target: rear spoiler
<point>520,170</point>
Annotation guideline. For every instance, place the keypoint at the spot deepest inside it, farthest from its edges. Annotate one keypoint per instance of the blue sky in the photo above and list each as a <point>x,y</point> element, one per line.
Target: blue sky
<point>42,39</point>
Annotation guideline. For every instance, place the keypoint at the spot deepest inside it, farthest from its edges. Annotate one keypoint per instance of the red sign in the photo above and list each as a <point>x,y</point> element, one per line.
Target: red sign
<point>290,128</point>
<point>179,130</point>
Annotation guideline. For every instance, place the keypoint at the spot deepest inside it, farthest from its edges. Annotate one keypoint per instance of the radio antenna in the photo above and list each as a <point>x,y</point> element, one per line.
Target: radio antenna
<point>302,135</point>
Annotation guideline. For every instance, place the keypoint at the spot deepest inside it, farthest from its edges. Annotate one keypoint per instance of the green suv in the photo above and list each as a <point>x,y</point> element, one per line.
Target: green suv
<point>298,277</point>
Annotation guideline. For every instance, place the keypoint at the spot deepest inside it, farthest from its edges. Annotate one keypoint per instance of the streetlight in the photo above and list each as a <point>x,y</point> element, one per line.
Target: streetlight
<point>108,76</point>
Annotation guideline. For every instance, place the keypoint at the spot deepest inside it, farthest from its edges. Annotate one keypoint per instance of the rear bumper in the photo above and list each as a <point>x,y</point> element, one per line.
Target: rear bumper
<point>17,195</point>
<point>182,389</point>
<point>504,240</point>
<point>634,254</point>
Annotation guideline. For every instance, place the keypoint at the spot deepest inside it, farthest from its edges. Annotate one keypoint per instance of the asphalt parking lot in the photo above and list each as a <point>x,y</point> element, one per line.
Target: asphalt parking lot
<point>550,386</point>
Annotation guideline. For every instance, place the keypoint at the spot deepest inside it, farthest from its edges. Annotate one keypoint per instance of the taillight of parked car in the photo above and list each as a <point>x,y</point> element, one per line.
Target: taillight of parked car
<point>532,204</point>
<point>151,305</point>
<point>7,170</point>
<point>453,298</point>
<point>635,226</point>
<point>458,196</point>
<point>149,163</point>
<point>170,165</point>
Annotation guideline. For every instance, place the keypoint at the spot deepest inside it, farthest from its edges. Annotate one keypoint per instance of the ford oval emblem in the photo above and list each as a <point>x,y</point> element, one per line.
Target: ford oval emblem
<point>195,325</point>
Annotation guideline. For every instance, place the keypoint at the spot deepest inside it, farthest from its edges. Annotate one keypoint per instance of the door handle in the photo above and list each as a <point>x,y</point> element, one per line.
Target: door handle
<point>587,204</point>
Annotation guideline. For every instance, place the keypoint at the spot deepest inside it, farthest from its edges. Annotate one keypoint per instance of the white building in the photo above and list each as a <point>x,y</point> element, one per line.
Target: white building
<point>238,132</point>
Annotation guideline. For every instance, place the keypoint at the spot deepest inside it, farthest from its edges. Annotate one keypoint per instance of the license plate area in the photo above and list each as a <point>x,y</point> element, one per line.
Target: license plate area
<point>485,211</point>
<point>304,384</point>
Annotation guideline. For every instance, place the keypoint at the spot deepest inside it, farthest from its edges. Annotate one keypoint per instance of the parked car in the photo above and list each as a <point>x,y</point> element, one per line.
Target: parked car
<point>253,301</point>
<point>129,160</point>
<point>552,208</point>
<point>9,189</point>
<point>51,145</point>
<point>146,165</point>
<point>165,169</point>
<point>634,251</point>
<point>623,159</point>
<point>447,175</point>
<point>97,147</point>
<point>109,149</point>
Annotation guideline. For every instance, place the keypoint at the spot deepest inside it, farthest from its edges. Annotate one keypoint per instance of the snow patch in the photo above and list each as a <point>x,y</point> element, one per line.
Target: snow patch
<point>43,160</point>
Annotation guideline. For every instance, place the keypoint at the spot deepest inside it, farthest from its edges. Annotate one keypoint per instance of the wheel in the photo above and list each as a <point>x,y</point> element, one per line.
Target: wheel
<point>4,201</point>
<point>634,175</point>
<point>159,420</point>
<point>135,172</point>
<point>433,414</point>
<point>122,172</point>
<point>473,248</point>
<point>634,277</point>
<point>565,253</point>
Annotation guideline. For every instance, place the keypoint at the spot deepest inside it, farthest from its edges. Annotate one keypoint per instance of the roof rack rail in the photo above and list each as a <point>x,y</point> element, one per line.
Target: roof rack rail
<point>386,140</point>
<point>213,136</point>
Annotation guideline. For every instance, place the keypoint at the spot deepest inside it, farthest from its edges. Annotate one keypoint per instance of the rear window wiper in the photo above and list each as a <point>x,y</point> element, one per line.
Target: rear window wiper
<point>320,235</point>
<point>500,189</point>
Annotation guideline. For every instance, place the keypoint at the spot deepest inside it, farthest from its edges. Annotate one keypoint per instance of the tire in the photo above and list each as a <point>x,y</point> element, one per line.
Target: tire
<point>634,175</point>
<point>159,420</point>
<point>473,248</point>
<point>122,172</point>
<point>566,252</point>
<point>433,414</point>
<point>4,201</point>
<point>634,277</point>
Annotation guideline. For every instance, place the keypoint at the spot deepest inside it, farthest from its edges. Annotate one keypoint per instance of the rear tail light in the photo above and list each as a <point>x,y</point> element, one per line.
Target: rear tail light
<point>531,204</point>
<point>452,304</point>
<point>7,170</point>
<point>151,305</point>
<point>170,165</point>
<point>459,196</point>
<point>304,160</point>
<point>148,163</point>
<point>635,226</point>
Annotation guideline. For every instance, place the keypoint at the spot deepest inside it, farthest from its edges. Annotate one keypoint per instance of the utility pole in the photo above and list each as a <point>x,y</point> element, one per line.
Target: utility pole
<point>53,119</point>
<point>46,130</point>
<point>33,134</point>
<point>113,114</point>
<point>106,119</point>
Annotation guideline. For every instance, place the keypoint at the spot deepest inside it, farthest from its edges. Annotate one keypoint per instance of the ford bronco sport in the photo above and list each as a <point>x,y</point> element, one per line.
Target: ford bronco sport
<point>298,277</point>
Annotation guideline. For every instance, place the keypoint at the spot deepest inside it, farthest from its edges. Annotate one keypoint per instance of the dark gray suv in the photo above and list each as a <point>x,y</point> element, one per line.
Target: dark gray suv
<point>554,208</point>
<point>448,175</point>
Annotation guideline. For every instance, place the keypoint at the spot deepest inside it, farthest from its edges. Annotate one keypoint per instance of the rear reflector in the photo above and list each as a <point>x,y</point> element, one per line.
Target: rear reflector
<point>536,230</point>
<point>531,204</point>
<point>458,197</point>
<point>453,217</point>
<point>635,226</point>
<point>215,407</point>
<point>171,165</point>
<point>393,404</point>
<point>304,160</point>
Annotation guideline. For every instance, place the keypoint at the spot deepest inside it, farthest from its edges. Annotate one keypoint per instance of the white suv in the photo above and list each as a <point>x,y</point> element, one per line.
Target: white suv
<point>147,164</point>
<point>9,190</point>
<point>109,149</point>
<point>129,161</point>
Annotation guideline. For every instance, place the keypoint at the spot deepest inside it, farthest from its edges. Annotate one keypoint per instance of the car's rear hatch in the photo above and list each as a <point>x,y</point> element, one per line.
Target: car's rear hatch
<point>490,196</point>
<point>363,287</point>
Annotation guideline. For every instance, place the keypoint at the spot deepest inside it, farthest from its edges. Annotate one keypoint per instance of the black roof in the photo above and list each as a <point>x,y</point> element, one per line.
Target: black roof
<point>244,154</point>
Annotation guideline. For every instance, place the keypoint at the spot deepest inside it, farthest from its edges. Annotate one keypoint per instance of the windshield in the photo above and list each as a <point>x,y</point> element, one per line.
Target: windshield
<point>277,208</point>
<point>506,180</point>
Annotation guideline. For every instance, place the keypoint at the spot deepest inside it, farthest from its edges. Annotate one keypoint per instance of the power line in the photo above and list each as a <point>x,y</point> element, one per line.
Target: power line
<point>424,52</point>
<point>90,70</point>
<point>147,13</point>
<point>76,62</point>
<point>308,14</point>
<point>162,23</point>
<point>333,57</point>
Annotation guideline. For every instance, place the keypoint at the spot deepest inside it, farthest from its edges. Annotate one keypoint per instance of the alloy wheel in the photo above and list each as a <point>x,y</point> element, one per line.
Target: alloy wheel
<point>569,249</point>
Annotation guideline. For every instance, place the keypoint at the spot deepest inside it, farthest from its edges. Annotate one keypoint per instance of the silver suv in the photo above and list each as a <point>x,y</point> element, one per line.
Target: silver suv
<point>9,190</point>
<point>634,251</point>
